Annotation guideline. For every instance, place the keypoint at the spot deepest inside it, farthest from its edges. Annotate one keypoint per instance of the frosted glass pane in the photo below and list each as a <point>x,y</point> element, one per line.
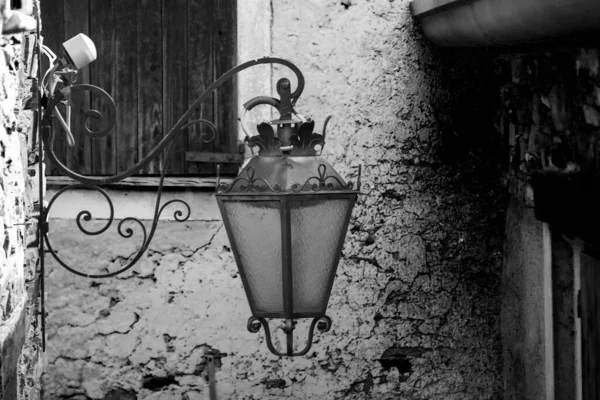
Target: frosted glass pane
<point>317,229</point>
<point>256,230</point>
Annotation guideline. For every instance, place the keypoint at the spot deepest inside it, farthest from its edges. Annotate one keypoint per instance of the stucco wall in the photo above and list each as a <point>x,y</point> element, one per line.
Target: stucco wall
<point>415,304</point>
<point>421,269</point>
<point>145,332</point>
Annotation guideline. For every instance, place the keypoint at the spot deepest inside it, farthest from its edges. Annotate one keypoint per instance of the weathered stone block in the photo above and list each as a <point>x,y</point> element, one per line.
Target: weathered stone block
<point>13,332</point>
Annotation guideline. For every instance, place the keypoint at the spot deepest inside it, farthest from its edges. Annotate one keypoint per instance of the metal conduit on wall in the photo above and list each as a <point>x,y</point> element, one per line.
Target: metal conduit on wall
<point>468,23</point>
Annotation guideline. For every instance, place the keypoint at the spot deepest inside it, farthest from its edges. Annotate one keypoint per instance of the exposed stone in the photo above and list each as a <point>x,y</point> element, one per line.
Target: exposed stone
<point>591,115</point>
<point>20,347</point>
<point>562,121</point>
<point>13,333</point>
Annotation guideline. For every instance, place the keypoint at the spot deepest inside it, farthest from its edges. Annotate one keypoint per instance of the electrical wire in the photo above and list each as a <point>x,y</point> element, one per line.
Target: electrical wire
<point>70,138</point>
<point>49,80</point>
<point>49,52</point>
<point>52,61</point>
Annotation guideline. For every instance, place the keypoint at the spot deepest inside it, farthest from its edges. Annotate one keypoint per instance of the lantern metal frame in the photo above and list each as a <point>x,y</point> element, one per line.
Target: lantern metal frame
<point>46,105</point>
<point>321,321</point>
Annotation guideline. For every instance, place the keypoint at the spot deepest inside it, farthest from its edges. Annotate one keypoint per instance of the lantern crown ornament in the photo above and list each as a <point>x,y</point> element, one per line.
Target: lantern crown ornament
<point>286,215</point>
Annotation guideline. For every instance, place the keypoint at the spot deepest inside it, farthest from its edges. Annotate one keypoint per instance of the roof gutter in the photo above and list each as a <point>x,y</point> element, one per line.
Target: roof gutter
<point>470,23</point>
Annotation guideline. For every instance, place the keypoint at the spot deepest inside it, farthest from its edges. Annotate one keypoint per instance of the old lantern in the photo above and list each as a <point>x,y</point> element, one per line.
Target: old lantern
<point>286,216</point>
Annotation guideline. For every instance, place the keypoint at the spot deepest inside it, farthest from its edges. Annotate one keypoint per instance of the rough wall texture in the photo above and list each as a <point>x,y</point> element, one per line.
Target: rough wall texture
<point>419,281</point>
<point>143,335</point>
<point>20,360</point>
<point>549,116</point>
<point>416,301</point>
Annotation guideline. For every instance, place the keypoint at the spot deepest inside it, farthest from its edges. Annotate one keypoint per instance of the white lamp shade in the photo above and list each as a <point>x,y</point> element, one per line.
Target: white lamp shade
<point>80,50</point>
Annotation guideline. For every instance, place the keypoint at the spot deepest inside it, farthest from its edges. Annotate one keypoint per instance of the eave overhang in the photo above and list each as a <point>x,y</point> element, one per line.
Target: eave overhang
<point>472,23</point>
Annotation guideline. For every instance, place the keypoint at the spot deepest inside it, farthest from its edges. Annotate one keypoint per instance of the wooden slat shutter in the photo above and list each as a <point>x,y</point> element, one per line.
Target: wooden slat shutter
<point>154,56</point>
<point>149,79</point>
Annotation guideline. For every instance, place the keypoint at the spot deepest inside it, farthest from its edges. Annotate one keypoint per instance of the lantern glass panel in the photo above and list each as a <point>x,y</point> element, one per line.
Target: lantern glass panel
<point>318,228</point>
<point>256,230</point>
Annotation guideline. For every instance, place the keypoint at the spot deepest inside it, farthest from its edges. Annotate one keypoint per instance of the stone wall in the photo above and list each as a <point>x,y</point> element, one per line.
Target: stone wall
<point>549,116</point>
<point>20,341</point>
<point>416,301</point>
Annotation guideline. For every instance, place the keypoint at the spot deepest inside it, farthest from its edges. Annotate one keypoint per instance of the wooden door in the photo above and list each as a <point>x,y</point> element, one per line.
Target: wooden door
<point>590,326</point>
<point>154,57</point>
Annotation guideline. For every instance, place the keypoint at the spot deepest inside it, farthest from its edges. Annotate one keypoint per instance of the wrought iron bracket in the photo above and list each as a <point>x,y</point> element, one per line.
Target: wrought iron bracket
<point>43,224</point>
<point>45,116</point>
<point>97,125</point>
<point>293,137</point>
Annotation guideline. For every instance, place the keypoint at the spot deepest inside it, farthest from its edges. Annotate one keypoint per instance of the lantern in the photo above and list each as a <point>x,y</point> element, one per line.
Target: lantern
<point>286,216</point>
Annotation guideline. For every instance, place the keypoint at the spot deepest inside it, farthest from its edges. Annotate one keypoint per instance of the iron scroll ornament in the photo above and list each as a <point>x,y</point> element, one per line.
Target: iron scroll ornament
<point>323,324</point>
<point>45,113</point>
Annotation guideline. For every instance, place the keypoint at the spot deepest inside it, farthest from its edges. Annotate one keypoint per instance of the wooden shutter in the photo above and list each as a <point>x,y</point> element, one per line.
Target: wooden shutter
<point>154,56</point>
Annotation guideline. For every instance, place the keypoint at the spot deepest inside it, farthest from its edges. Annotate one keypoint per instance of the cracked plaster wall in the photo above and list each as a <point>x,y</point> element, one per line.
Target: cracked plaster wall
<point>416,301</point>
<point>420,274</point>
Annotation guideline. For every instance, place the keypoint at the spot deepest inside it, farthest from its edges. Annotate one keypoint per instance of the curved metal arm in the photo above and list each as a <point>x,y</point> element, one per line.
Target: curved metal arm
<point>101,128</point>
<point>181,124</point>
